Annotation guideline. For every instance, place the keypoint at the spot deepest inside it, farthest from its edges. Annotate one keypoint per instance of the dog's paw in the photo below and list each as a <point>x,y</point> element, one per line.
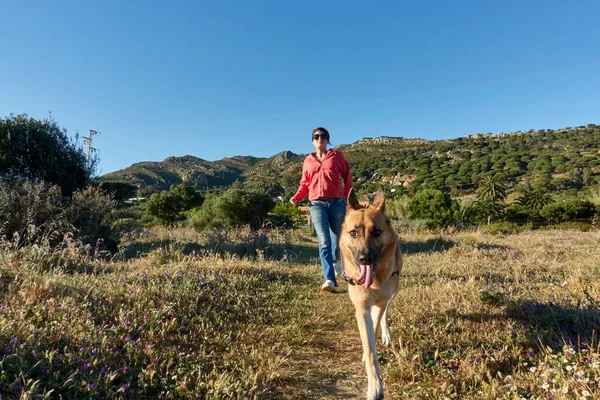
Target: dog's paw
<point>376,392</point>
<point>386,337</point>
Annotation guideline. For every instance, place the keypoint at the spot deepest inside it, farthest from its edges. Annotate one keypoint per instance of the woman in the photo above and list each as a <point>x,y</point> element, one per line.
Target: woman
<point>321,174</point>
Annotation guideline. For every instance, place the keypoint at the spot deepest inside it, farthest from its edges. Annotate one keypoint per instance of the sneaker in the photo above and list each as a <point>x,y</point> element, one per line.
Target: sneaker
<point>328,286</point>
<point>338,268</point>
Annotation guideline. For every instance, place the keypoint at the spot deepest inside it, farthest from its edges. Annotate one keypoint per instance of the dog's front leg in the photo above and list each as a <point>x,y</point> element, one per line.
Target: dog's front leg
<point>367,337</point>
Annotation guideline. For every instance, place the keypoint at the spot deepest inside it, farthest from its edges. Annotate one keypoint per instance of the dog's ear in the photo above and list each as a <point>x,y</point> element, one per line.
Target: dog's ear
<point>379,200</point>
<point>352,201</point>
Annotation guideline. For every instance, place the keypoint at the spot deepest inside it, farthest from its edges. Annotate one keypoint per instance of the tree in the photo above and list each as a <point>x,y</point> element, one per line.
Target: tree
<point>491,188</point>
<point>438,207</point>
<point>35,149</point>
<point>166,207</point>
<point>188,195</point>
<point>233,208</point>
<point>534,198</point>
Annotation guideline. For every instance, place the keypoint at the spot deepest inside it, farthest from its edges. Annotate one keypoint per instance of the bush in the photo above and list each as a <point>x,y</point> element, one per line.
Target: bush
<point>88,213</point>
<point>33,213</point>
<point>120,191</point>
<point>168,207</point>
<point>503,228</point>
<point>234,208</point>
<point>568,210</point>
<point>283,215</point>
<point>41,150</point>
<point>36,213</point>
<point>518,211</point>
<point>438,207</point>
<point>398,208</point>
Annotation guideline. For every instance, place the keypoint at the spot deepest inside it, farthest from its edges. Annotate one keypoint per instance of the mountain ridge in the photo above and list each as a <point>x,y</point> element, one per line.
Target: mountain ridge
<point>561,159</point>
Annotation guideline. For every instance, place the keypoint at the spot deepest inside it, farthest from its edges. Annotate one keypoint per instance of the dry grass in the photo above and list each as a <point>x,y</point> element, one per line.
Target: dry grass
<point>477,317</point>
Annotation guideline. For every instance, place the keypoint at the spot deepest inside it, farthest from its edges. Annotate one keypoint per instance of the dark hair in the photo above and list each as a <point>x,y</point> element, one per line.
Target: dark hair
<point>325,131</point>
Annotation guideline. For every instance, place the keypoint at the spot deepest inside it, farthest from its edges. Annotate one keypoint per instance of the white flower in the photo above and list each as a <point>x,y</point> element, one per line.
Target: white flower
<point>545,386</point>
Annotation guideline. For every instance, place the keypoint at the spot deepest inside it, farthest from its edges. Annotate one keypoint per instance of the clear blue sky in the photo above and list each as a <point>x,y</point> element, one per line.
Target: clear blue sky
<point>223,78</point>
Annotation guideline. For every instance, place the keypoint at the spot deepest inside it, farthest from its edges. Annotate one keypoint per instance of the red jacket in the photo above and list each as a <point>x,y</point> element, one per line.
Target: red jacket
<point>322,179</point>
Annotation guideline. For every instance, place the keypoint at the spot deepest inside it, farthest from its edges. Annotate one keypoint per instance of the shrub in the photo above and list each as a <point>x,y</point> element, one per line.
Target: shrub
<point>398,208</point>
<point>283,215</point>
<point>36,149</point>
<point>32,212</point>
<point>166,207</point>
<point>568,210</point>
<point>518,211</point>
<point>234,208</point>
<point>37,213</point>
<point>119,190</point>
<point>88,213</point>
<point>503,228</point>
<point>434,205</point>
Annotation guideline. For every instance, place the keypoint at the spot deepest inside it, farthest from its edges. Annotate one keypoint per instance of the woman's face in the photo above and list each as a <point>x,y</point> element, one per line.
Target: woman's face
<point>320,139</point>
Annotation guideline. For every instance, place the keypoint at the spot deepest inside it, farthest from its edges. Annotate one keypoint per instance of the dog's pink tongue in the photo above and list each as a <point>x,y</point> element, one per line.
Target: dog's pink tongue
<point>366,276</point>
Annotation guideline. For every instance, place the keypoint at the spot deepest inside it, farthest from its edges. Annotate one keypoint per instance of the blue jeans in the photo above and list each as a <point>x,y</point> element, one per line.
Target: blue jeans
<point>327,217</point>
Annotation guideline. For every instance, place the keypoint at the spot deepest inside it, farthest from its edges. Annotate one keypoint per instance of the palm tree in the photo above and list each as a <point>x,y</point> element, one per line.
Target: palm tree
<point>491,188</point>
<point>534,199</point>
<point>490,197</point>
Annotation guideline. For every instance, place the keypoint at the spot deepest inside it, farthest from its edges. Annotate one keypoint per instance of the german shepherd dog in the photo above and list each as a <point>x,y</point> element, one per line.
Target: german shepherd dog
<point>372,262</point>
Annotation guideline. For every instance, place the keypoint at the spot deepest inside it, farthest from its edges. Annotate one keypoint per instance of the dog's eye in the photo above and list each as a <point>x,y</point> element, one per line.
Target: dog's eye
<point>353,233</point>
<point>376,232</point>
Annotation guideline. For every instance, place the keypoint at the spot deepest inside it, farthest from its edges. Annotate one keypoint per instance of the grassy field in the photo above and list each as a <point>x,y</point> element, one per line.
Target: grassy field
<point>240,316</point>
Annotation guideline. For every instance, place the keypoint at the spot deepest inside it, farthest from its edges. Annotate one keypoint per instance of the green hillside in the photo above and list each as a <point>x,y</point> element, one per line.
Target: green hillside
<point>557,160</point>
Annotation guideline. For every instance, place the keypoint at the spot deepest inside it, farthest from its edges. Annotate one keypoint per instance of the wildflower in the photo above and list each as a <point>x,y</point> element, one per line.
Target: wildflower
<point>545,386</point>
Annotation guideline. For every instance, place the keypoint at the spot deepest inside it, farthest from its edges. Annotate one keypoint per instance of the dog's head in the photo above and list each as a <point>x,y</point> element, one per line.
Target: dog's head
<point>365,234</point>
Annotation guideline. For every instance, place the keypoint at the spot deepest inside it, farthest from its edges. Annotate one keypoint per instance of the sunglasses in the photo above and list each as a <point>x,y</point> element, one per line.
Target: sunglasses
<point>321,136</point>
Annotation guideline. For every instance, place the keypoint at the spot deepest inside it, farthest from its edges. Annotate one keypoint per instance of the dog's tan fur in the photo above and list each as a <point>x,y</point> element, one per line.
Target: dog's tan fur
<point>368,238</point>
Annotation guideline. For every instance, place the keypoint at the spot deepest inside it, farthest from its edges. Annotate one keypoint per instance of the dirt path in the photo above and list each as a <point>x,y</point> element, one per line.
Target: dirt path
<point>330,362</point>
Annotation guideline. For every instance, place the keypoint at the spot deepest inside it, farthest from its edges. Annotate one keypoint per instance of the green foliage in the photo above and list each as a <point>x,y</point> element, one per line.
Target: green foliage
<point>189,196</point>
<point>555,160</point>
<point>434,205</point>
<point>283,215</point>
<point>503,228</point>
<point>36,213</point>
<point>87,212</point>
<point>233,208</point>
<point>168,207</point>
<point>518,211</point>
<point>491,188</point>
<point>397,208</point>
<point>118,190</point>
<point>488,210</point>
<point>33,213</point>
<point>568,210</point>
<point>534,198</point>
<point>35,149</point>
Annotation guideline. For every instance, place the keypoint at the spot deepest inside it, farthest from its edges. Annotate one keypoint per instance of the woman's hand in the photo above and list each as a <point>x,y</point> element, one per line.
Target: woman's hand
<point>294,201</point>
